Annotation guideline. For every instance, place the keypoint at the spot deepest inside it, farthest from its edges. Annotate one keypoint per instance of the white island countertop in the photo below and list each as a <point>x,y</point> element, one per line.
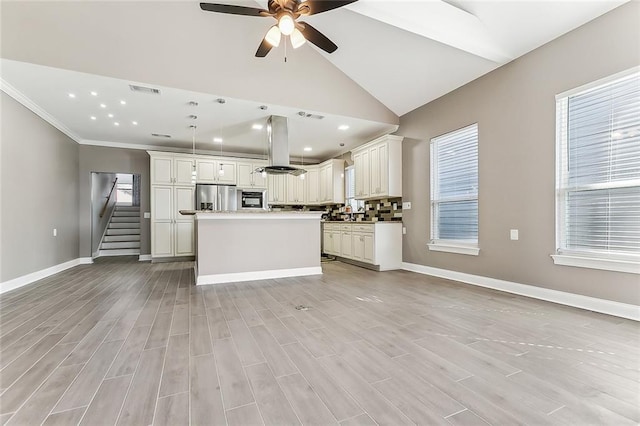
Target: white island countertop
<point>257,214</point>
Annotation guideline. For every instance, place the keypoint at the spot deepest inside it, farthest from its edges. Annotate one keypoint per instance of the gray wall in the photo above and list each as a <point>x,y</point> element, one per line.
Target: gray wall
<point>101,184</point>
<point>39,191</point>
<point>112,160</point>
<point>514,107</point>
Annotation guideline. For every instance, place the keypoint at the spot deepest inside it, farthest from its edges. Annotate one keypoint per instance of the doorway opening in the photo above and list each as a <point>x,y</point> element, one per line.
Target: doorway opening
<point>115,214</point>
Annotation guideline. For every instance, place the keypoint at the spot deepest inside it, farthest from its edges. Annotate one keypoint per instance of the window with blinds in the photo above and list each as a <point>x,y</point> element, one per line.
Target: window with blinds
<point>350,190</point>
<point>598,178</point>
<point>454,187</point>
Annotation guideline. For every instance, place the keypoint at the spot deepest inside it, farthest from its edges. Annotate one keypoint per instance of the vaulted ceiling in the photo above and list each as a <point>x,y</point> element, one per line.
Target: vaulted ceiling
<point>393,57</point>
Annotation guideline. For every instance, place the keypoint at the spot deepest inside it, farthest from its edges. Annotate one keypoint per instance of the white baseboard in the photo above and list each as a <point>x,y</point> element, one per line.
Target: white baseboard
<point>604,306</point>
<point>257,275</point>
<point>44,273</point>
<point>144,258</point>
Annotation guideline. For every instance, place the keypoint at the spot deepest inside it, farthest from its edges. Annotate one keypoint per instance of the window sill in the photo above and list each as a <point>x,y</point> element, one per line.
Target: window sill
<point>453,248</point>
<point>628,266</point>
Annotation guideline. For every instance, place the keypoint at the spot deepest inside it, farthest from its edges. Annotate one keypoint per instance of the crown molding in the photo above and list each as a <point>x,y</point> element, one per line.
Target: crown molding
<point>33,107</point>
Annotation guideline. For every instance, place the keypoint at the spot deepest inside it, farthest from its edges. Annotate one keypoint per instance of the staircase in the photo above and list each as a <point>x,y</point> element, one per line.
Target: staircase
<point>123,233</point>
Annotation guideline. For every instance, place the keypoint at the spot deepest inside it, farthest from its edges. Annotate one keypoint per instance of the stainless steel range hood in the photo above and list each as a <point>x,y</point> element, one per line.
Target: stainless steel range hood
<point>278,134</point>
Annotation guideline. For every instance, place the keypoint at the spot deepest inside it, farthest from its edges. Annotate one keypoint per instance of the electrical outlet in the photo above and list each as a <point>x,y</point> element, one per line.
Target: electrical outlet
<point>406,205</point>
<point>55,232</point>
<point>404,230</point>
<point>147,215</point>
<point>514,234</point>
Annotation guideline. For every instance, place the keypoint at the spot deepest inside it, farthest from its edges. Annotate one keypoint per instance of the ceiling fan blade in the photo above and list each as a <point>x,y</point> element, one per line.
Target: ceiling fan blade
<point>316,37</point>
<point>233,10</point>
<point>319,6</point>
<point>263,49</point>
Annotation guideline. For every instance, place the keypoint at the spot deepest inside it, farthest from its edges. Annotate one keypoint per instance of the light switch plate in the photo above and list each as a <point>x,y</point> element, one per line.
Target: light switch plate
<point>147,215</point>
<point>406,205</point>
<point>514,234</point>
<point>404,230</point>
<point>55,232</point>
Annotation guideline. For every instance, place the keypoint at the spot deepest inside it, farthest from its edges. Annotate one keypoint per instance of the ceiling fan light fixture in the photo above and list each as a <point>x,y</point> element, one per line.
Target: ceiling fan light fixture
<point>273,36</point>
<point>297,39</point>
<point>286,24</point>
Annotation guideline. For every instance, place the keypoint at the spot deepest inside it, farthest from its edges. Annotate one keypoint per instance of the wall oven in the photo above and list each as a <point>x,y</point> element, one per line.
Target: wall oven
<point>253,199</point>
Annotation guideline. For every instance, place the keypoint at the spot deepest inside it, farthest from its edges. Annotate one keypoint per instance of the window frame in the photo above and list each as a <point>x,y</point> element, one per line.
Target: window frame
<point>592,259</point>
<point>466,247</point>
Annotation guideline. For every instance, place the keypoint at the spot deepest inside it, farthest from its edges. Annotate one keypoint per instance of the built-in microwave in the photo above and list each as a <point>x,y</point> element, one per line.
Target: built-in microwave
<point>254,199</point>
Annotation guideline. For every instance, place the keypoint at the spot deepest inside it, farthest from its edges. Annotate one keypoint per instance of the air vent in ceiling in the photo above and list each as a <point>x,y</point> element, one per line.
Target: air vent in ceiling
<point>143,89</point>
<point>313,116</point>
<point>160,135</point>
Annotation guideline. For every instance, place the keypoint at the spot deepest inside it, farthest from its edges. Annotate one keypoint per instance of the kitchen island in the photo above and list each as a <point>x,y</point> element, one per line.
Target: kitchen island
<point>256,245</point>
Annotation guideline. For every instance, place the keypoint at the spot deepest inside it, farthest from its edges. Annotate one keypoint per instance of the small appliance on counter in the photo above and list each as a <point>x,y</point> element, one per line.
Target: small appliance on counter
<point>216,197</point>
<point>252,199</point>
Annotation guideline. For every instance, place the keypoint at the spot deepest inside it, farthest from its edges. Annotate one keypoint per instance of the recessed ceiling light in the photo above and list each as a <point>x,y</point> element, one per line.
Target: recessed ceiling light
<point>110,115</point>
<point>72,95</point>
<point>94,93</point>
<point>116,124</point>
<point>257,127</point>
<point>343,127</point>
<point>123,102</point>
<point>93,117</point>
<point>218,140</point>
<point>308,148</point>
<point>135,123</point>
<point>103,106</point>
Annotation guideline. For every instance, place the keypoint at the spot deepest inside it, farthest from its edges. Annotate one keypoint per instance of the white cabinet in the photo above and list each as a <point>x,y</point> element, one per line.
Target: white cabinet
<point>376,245</point>
<point>295,190</point>
<point>277,189</point>
<point>378,168</point>
<point>247,177</point>
<point>331,182</point>
<point>362,174</point>
<point>167,170</point>
<point>216,171</point>
<point>171,232</point>
<point>312,186</point>
<point>346,242</point>
<point>363,248</point>
<point>332,239</point>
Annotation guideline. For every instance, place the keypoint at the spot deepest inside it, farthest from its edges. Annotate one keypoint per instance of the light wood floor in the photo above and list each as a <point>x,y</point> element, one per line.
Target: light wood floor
<point>124,342</point>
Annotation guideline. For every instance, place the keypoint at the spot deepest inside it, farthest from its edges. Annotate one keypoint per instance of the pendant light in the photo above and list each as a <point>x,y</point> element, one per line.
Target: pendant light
<point>193,153</point>
<point>221,102</point>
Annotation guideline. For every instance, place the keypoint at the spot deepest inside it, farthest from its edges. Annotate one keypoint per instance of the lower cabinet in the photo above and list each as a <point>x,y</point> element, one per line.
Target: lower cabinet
<point>171,233</point>
<point>378,244</point>
<point>363,249</point>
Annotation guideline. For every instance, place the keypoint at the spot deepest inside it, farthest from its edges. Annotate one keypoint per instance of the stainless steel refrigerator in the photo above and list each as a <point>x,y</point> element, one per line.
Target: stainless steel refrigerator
<point>216,197</point>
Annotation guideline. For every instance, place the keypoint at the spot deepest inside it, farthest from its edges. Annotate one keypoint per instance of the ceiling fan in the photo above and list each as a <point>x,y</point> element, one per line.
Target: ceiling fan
<point>286,12</point>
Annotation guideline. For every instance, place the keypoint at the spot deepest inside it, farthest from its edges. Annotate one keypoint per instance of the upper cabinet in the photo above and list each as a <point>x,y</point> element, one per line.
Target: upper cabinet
<point>216,171</point>
<point>331,182</point>
<point>277,193</point>
<point>362,174</point>
<point>312,185</point>
<point>247,177</point>
<point>296,189</point>
<point>378,168</point>
<point>171,171</point>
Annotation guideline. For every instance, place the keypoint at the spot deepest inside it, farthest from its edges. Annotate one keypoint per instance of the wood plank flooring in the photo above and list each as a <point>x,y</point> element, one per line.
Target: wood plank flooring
<point>130,343</point>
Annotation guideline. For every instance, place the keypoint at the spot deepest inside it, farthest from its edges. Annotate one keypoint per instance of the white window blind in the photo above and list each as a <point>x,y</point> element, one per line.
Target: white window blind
<point>454,186</point>
<point>350,190</point>
<point>350,182</point>
<point>598,179</point>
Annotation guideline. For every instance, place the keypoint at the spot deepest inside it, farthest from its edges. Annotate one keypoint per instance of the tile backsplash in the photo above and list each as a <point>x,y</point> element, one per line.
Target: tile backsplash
<point>383,210</point>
